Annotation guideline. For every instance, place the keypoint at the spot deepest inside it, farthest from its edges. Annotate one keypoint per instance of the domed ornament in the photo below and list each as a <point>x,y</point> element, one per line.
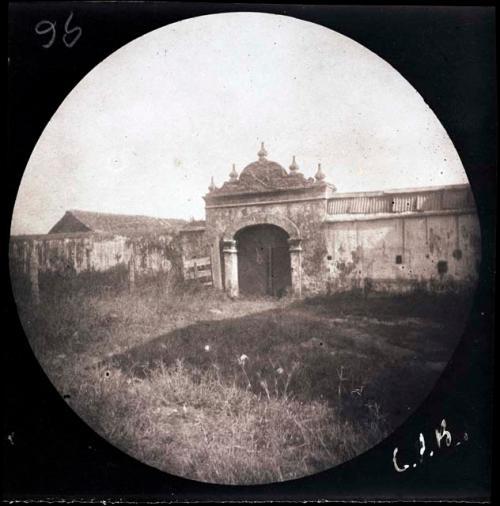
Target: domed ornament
<point>212,186</point>
<point>320,175</point>
<point>233,175</point>
<point>262,152</point>
<point>262,172</point>
<point>293,166</point>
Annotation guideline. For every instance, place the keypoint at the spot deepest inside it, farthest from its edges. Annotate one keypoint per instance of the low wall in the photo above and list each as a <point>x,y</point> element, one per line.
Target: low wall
<point>438,251</point>
<point>101,259</point>
<point>91,252</point>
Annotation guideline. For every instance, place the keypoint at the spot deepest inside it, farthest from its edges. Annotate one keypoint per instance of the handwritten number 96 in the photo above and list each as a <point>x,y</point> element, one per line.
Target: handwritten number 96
<point>70,37</point>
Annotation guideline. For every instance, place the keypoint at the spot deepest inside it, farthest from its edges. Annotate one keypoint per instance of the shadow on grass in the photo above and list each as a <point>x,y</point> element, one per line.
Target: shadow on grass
<point>356,354</point>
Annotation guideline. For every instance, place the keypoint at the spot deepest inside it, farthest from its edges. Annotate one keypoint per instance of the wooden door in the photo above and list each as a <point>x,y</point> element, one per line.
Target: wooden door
<point>263,260</point>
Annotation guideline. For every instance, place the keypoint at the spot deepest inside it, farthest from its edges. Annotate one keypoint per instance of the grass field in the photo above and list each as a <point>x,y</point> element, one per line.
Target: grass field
<point>242,391</point>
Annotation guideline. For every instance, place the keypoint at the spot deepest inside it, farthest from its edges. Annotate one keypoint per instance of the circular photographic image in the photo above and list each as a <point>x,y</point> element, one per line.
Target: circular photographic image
<point>244,249</point>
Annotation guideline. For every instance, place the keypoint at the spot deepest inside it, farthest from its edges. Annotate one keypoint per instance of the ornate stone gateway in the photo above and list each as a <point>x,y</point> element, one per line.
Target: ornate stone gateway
<point>256,223</point>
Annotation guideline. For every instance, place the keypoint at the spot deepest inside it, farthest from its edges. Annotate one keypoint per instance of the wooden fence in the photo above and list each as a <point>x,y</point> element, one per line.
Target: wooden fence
<point>200,269</point>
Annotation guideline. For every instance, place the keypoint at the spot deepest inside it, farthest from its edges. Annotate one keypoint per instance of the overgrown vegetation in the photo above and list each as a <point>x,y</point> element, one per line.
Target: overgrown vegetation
<point>241,391</point>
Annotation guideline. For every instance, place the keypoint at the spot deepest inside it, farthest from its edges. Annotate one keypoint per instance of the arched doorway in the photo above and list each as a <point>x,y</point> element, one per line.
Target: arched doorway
<point>264,266</point>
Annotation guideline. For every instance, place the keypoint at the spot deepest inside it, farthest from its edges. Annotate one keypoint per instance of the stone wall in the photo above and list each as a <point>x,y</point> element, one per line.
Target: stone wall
<point>95,259</point>
<point>81,252</point>
<point>435,252</point>
<point>395,240</point>
<point>193,244</point>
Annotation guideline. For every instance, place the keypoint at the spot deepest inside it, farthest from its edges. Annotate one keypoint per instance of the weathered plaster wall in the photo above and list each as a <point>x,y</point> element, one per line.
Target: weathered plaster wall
<point>193,244</point>
<point>101,258</point>
<point>92,252</point>
<point>433,252</point>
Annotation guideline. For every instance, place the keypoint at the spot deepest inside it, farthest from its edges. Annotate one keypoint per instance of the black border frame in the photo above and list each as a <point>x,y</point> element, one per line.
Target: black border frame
<point>448,55</point>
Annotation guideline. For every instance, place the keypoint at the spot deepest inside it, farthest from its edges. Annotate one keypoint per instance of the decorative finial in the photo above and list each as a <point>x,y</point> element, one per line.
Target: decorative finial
<point>262,152</point>
<point>294,167</point>
<point>320,175</point>
<point>212,186</point>
<point>233,175</point>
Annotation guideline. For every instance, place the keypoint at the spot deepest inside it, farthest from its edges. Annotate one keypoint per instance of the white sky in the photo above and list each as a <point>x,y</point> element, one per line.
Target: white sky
<point>145,130</point>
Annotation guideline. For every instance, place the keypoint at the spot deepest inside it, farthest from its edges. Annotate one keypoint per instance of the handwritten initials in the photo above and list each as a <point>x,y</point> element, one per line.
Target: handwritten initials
<point>443,433</point>
<point>395,462</point>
